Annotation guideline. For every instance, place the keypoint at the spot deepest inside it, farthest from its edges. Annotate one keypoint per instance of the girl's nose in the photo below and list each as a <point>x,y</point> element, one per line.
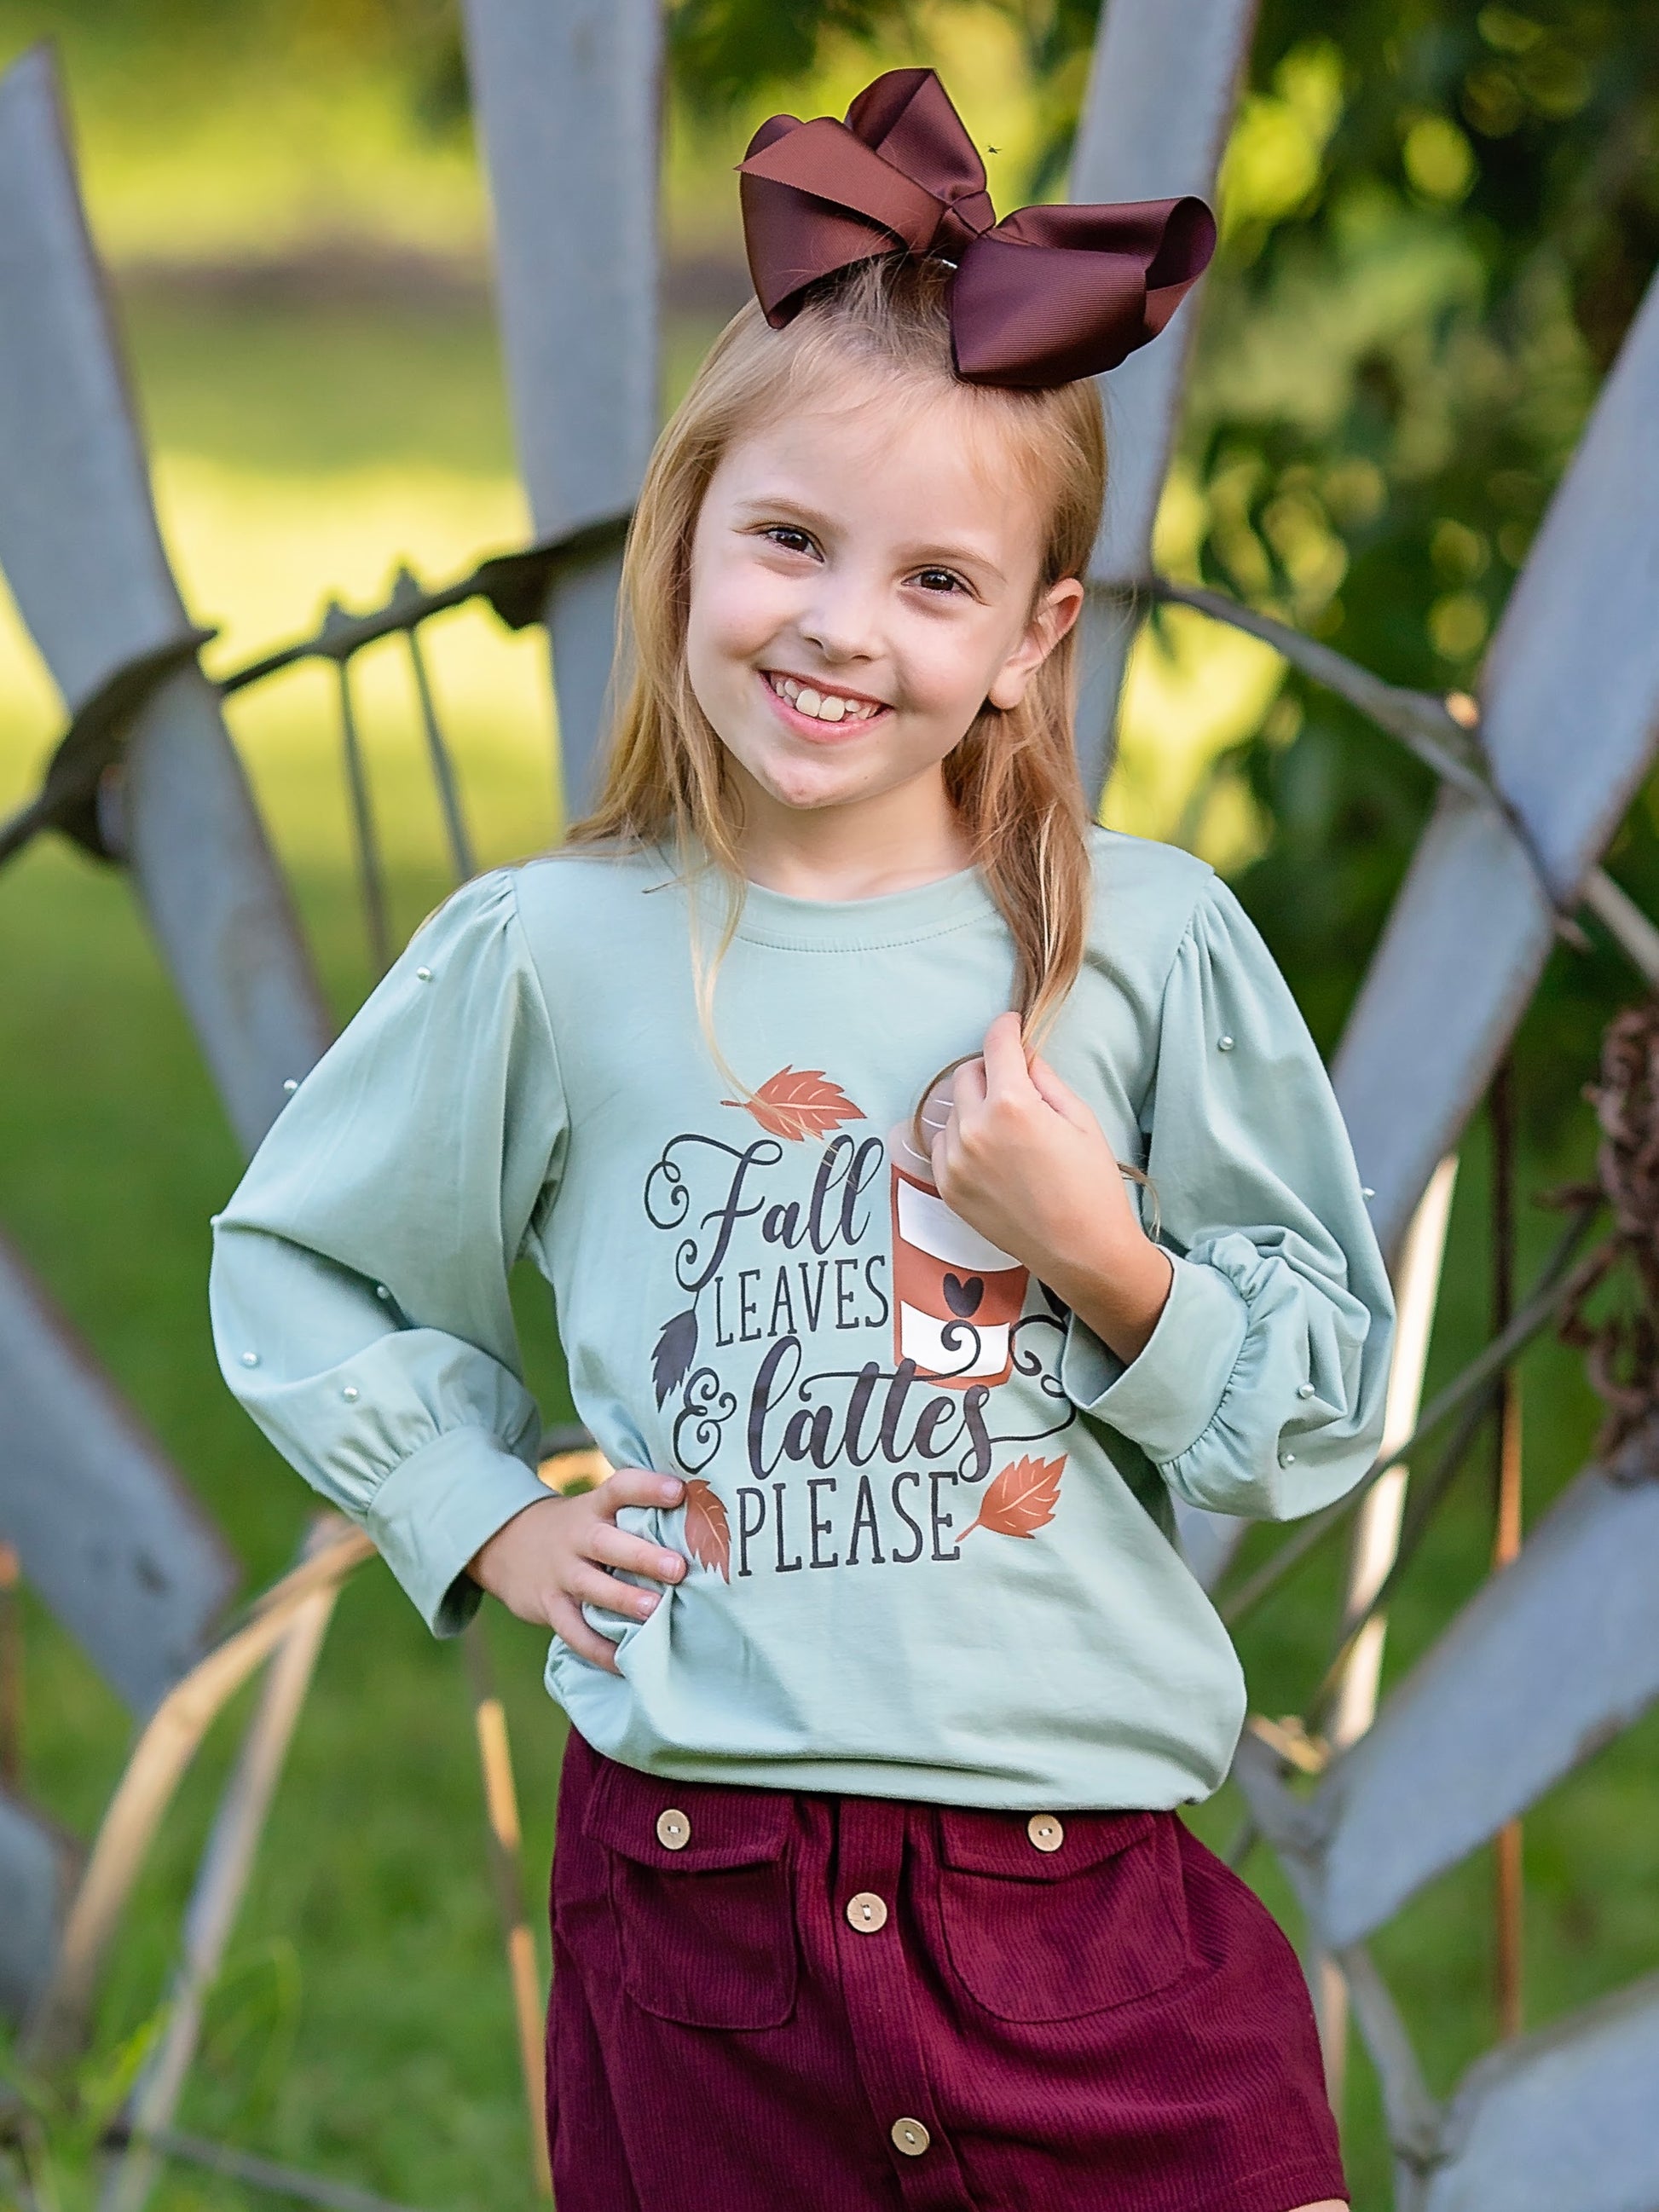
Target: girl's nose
<point>841,620</point>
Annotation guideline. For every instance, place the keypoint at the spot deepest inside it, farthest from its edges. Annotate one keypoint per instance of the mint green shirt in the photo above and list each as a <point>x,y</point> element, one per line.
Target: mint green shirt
<point>929,1513</point>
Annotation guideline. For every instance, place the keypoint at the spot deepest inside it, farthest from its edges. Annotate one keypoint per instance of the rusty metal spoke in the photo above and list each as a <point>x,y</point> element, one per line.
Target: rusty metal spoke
<point>371,877</point>
<point>443,766</point>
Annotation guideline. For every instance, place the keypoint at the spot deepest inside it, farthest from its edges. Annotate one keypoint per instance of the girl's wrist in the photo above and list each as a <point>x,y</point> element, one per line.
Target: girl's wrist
<point>490,1565</point>
<point>1120,1294</point>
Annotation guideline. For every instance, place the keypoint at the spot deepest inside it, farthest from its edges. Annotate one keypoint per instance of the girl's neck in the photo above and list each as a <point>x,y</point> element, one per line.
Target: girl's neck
<point>891,843</point>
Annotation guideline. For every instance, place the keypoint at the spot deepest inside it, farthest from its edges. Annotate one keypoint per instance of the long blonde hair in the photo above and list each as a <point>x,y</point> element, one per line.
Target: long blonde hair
<point>1013,777</point>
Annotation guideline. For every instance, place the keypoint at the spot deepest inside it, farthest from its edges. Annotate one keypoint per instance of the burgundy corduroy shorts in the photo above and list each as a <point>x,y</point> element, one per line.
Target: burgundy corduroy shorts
<point>773,2000</point>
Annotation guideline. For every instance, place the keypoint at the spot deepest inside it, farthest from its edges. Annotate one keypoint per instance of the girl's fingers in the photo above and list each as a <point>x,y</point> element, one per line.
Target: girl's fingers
<point>614,1547</point>
<point>967,1085</point>
<point>635,1485</point>
<point>587,1585</point>
<point>1005,1071</point>
<point>566,1621</point>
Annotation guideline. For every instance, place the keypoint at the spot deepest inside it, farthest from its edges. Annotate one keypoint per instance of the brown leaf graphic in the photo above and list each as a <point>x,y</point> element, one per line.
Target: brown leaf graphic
<point>1021,1499</point>
<point>708,1533</point>
<point>799,1102</point>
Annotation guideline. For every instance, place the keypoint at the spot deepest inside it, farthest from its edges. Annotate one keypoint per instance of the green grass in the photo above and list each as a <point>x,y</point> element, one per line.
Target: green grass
<point>362,2026</point>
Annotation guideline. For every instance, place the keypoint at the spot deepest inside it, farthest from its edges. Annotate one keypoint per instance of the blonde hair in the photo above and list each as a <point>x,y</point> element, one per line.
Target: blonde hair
<point>1013,778</point>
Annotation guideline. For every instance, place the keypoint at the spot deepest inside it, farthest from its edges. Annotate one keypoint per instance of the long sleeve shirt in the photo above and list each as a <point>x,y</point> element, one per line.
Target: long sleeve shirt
<point>928,1515</point>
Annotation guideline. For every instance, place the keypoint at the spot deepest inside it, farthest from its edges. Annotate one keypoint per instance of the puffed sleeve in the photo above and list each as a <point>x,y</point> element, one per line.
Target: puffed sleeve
<point>1260,1390</point>
<point>358,1283</point>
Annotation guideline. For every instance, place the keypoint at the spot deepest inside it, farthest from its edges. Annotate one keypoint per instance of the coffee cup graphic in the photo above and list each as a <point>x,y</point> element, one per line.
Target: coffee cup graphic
<point>956,1295</point>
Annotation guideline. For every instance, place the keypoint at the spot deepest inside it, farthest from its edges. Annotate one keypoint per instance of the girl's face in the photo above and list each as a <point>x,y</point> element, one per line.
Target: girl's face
<point>862,583</point>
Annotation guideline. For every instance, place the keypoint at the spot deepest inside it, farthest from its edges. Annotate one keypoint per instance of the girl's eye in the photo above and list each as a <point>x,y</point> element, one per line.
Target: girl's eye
<point>942,581</point>
<point>786,535</point>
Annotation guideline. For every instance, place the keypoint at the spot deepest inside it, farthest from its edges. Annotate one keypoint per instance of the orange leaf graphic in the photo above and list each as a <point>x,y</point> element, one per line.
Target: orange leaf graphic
<point>799,1102</point>
<point>1021,1499</point>
<point>708,1533</point>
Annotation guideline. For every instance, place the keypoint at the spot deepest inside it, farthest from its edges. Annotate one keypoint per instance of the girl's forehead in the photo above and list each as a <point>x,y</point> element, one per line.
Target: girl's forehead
<point>882,432</point>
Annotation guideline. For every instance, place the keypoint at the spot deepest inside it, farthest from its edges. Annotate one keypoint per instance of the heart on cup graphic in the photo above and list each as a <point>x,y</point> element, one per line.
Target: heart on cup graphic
<point>958,1297</point>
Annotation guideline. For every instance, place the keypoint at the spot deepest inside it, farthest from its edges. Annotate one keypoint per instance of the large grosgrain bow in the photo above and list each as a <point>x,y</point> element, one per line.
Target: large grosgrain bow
<point>1046,296</point>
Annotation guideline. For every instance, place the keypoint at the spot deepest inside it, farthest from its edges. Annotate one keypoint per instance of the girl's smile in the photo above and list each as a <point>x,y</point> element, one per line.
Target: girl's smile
<point>822,713</point>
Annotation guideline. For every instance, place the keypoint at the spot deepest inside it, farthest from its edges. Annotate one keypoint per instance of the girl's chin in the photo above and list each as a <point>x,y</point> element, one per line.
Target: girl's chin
<point>802,794</point>
<point>801,781</point>
<point>800,776</point>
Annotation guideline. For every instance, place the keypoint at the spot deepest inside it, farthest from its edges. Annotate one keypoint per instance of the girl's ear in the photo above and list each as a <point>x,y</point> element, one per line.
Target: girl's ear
<point>1053,615</point>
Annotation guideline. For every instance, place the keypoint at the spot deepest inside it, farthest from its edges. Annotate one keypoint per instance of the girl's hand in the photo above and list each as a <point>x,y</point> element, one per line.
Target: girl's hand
<point>548,1562</point>
<point>1023,1160</point>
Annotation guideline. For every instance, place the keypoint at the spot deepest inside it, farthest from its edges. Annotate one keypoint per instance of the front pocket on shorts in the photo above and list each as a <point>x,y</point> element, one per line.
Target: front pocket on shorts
<point>701,1889</point>
<point>1089,1916</point>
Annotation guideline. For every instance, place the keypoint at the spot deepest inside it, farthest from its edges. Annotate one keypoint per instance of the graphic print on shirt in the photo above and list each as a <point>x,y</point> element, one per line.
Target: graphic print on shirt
<point>955,1296</point>
<point>861,1462</point>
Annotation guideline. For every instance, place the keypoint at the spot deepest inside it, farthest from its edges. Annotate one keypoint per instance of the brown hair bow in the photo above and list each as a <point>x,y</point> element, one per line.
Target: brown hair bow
<point>1046,296</point>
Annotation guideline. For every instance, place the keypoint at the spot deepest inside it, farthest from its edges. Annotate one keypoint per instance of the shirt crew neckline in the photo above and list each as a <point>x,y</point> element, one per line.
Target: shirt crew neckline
<point>787,923</point>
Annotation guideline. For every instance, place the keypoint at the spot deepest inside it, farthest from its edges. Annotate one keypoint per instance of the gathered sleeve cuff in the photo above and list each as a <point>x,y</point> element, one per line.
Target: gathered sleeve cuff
<point>429,1515</point>
<point>1171,1393</point>
<point>359,1289</point>
<point>1261,1391</point>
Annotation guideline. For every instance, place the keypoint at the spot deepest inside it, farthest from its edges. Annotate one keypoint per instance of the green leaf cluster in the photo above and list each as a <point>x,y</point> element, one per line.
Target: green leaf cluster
<point>1439,222</point>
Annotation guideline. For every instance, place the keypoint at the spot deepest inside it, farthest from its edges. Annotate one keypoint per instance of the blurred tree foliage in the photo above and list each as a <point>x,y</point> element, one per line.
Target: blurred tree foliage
<point>415,43</point>
<point>726,51</point>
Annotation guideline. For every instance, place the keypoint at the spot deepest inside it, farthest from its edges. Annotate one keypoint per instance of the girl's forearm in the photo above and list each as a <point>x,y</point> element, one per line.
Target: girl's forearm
<point>1119,1292</point>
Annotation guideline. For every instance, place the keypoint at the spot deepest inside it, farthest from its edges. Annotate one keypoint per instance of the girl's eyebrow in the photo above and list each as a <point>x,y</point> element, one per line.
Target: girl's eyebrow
<point>923,553</point>
<point>764,503</point>
<point>776,502</point>
<point>952,556</point>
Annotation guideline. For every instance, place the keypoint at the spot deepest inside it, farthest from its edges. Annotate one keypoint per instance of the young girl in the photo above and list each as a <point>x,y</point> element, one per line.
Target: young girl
<point>885,1673</point>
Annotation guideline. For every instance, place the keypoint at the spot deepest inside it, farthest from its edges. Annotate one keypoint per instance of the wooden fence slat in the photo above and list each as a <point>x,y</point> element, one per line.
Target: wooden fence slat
<point>219,906</point>
<point>581,630</point>
<point>1163,88</point>
<point>1559,2121</point>
<point>222,1880</point>
<point>1373,1550</point>
<point>159,1759</point>
<point>1570,720</point>
<point>1572,683</point>
<point>567,93</point>
<point>108,1533</point>
<point>82,553</point>
<point>1554,1656</point>
<point>33,1881</point>
<point>77,533</point>
<point>1461,950</point>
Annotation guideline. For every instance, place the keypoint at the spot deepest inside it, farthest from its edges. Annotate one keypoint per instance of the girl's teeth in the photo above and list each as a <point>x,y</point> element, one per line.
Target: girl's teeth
<point>822,706</point>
